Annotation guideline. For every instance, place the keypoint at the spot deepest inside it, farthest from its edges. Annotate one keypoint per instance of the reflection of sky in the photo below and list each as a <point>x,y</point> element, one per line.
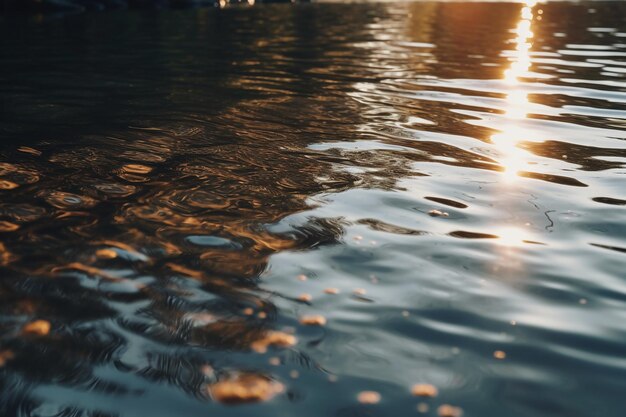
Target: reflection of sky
<point>512,158</point>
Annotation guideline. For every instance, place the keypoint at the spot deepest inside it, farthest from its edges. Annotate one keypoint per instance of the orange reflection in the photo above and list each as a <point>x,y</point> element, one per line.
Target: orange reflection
<point>517,105</point>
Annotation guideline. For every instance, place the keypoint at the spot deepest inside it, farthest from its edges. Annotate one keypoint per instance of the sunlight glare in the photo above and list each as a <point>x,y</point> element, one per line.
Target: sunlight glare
<point>512,158</point>
<point>512,236</point>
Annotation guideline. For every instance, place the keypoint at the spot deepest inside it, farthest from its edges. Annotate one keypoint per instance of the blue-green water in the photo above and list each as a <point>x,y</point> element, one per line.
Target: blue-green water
<point>177,185</point>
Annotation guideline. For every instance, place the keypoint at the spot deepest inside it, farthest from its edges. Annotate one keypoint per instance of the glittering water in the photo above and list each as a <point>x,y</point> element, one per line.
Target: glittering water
<point>312,208</point>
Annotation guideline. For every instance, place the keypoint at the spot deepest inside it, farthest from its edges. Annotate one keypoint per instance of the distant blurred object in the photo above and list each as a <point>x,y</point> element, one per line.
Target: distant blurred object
<point>79,6</point>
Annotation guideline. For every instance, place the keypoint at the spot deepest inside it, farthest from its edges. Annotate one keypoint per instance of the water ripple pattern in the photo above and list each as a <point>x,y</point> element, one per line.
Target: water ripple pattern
<point>305,210</point>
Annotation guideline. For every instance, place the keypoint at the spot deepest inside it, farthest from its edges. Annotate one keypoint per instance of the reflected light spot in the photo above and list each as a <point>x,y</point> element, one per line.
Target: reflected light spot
<point>368,397</point>
<point>512,158</point>
<point>513,236</point>
<point>8,226</point>
<point>241,388</point>
<point>106,254</point>
<point>499,354</point>
<point>424,390</point>
<point>437,213</point>
<point>313,320</point>
<point>37,328</point>
<point>447,410</point>
<point>518,104</point>
<point>306,298</point>
<point>274,338</point>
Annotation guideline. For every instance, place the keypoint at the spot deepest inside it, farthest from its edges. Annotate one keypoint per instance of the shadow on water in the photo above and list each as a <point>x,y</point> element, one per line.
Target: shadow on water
<point>176,185</point>
<point>143,246</point>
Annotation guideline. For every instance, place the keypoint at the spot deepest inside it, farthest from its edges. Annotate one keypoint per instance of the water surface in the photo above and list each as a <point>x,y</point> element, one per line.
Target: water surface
<point>172,182</point>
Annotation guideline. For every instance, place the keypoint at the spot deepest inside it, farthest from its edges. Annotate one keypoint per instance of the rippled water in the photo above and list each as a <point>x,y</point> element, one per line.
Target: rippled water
<point>179,188</point>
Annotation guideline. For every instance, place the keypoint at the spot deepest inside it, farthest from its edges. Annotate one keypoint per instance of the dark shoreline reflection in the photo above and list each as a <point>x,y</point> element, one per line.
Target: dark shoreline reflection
<point>62,8</point>
<point>102,248</point>
<point>172,184</point>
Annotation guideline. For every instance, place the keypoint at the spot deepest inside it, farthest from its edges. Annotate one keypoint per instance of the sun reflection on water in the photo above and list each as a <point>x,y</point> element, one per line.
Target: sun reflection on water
<point>512,158</point>
<point>513,236</point>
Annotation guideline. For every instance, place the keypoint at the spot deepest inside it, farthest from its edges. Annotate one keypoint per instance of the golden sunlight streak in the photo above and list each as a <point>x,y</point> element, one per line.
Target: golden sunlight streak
<point>512,158</point>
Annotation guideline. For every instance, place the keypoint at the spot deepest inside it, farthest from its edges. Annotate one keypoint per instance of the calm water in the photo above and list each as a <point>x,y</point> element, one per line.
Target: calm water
<point>169,179</point>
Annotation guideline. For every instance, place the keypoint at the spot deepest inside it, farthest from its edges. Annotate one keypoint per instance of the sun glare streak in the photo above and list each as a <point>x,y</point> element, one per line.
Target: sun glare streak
<point>513,236</point>
<point>512,158</point>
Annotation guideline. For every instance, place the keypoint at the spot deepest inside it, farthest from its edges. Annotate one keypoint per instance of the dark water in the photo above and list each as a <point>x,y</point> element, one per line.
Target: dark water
<point>167,177</point>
